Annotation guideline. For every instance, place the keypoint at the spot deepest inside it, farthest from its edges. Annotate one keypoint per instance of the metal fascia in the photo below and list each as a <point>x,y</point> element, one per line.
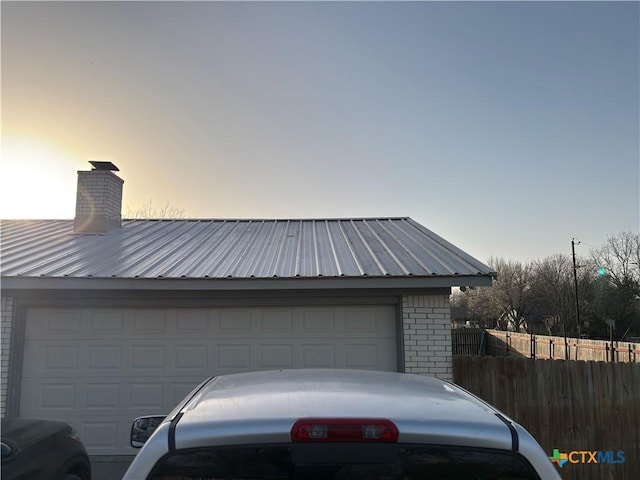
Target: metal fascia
<point>253,284</point>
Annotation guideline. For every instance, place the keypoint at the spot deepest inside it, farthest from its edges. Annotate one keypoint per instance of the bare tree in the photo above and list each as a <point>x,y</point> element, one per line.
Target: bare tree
<point>150,211</point>
<point>619,258</point>
<point>544,292</point>
<point>514,295</point>
<point>616,287</point>
<point>554,288</point>
<point>479,305</point>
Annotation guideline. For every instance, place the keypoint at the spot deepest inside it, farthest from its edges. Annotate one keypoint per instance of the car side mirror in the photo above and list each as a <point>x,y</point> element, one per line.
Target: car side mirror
<point>7,453</point>
<point>143,428</point>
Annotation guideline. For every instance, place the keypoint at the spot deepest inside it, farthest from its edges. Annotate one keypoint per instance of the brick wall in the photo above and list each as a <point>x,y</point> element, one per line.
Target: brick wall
<point>6,321</point>
<point>98,201</point>
<point>426,325</point>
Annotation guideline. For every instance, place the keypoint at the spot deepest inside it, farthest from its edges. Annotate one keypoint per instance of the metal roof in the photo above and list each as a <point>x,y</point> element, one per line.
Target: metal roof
<point>232,249</point>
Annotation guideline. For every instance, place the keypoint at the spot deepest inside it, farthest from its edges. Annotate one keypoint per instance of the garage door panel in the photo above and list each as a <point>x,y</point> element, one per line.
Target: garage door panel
<point>101,396</point>
<point>51,358</point>
<point>153,395</point>
<point>60,357</point>
<point>150,322</point>
<point>234,321</point>
<point>276,322</point>
<point>275,356</point>
<point>318,321</point>
<point>318,355</point>
<point>60,395</point>
<point>361,356</point>
<point>361,324</point>
<point>147,359</point>
<point>107,322</point>
<point>100,369</point>
<point>105,359</point>
<point>145,395</point>
<point>61,323</point>
<point>192,321</point>
<point>189,358</point>
<point>233,357</point>
<point>52,396</point>
<point>368,321</point>
<point>53,324</point>
<point>101,435</point>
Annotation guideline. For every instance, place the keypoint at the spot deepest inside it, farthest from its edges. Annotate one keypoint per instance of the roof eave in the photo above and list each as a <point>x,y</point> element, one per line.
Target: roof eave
<point>232,284</point>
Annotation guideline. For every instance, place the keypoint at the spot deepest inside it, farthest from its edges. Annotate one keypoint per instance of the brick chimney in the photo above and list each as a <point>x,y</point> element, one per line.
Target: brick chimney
<point>99,199</point>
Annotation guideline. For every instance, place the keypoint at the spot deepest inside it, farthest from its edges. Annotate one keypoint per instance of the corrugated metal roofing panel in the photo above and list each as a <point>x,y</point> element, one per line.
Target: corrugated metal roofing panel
<point>371,247</point>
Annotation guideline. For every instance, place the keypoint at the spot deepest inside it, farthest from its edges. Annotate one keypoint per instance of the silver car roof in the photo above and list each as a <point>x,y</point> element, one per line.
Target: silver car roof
<point>261,407</point>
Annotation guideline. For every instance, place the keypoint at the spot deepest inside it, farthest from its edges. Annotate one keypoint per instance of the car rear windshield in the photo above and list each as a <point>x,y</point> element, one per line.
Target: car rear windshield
<point>343,461</point>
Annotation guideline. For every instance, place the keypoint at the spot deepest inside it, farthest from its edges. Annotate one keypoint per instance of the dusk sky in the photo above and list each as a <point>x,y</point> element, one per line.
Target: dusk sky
<point>506,128</point>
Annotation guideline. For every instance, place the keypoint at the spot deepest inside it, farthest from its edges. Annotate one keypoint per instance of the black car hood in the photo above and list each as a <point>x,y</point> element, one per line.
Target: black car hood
<point>23,432</point>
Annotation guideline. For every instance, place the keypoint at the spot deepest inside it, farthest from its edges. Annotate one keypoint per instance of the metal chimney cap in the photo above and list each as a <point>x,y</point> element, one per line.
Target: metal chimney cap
<point>103,166</point>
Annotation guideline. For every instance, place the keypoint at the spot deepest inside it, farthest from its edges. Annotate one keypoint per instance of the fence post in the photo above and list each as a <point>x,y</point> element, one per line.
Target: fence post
<point>613,358</point>
<point>611,340</point>
<point>532,346</point>
<point>551,348</point>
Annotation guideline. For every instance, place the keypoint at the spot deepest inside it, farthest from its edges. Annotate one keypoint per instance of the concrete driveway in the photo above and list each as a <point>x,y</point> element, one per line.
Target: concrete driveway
<point>109,468</point>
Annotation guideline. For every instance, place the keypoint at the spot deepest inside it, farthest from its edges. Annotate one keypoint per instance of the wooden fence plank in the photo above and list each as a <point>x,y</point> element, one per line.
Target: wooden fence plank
<point>577,373</point>
<point>569,405</point>
<point>502,343</point>
<point>541,425</point>
<point>634,389</point>
<point>468,341</point>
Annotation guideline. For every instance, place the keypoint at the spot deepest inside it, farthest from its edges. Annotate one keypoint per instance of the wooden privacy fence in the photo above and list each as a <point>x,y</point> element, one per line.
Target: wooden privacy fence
<point>566,405</point>
<point>468,341</point>
<point>501,343</point>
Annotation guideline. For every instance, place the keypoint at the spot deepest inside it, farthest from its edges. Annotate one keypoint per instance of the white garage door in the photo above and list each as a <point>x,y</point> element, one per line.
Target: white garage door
<point>100,368</point>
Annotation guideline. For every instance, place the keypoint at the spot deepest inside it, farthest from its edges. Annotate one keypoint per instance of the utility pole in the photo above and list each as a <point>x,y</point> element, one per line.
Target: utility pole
<point>575,282</point>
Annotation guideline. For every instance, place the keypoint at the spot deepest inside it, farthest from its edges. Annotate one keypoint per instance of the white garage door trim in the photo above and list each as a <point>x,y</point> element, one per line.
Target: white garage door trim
<point>100,368</point>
